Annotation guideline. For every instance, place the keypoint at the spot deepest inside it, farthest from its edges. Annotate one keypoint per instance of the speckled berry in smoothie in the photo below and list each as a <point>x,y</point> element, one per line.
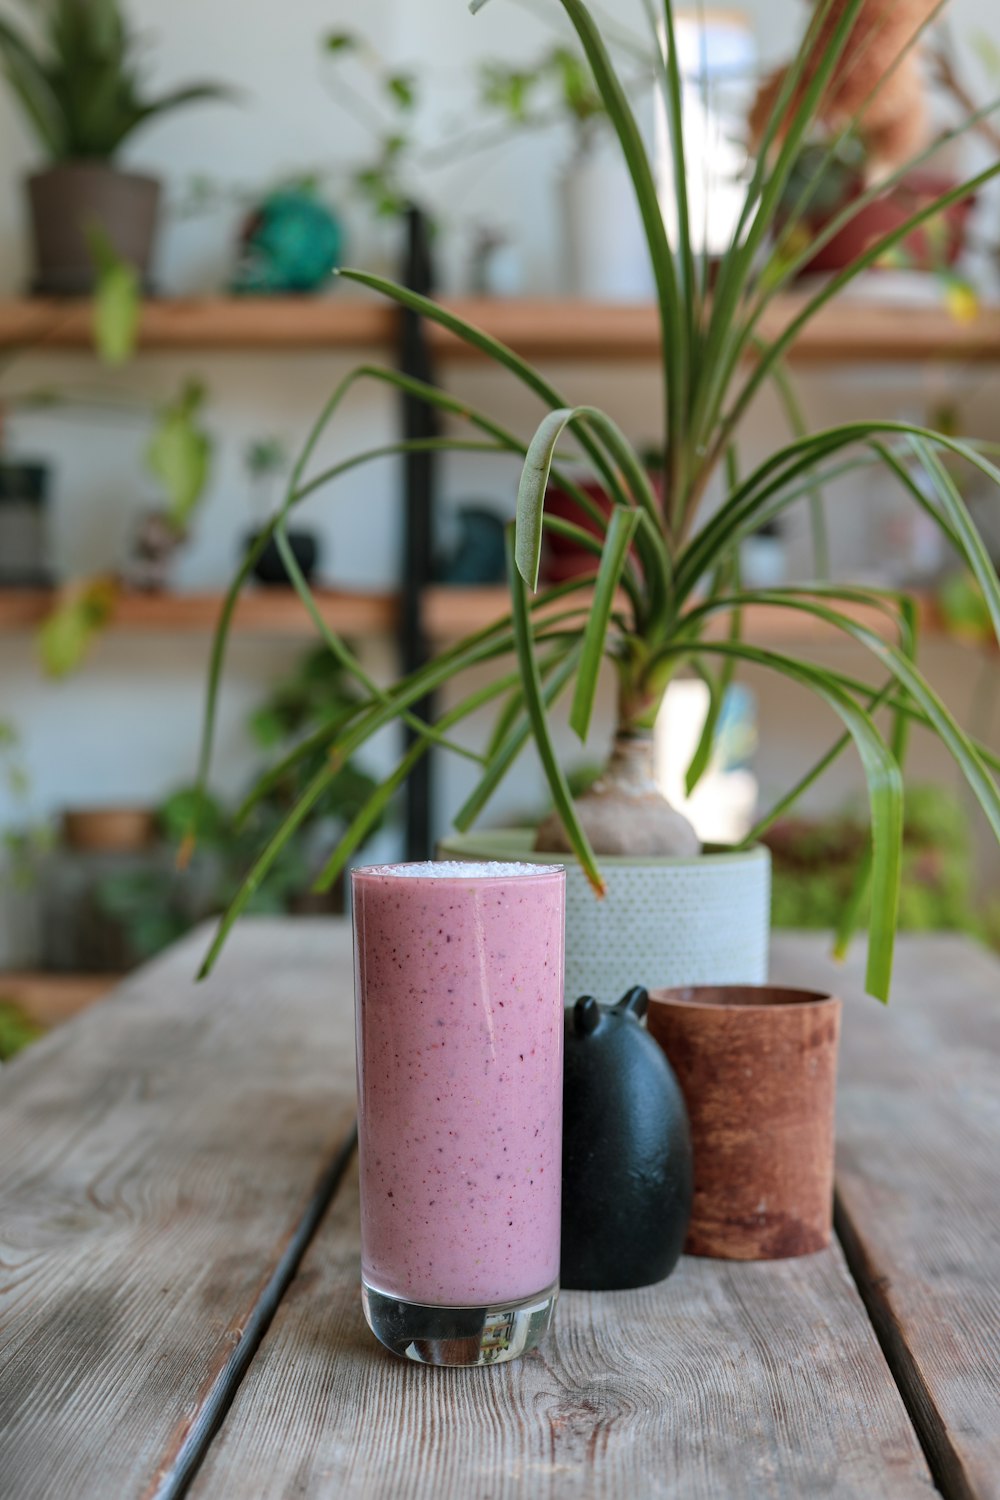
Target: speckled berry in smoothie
<point>459,978</point>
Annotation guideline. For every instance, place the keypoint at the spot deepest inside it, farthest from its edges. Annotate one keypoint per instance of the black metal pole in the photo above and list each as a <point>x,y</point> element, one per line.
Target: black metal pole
<point>419,421</point>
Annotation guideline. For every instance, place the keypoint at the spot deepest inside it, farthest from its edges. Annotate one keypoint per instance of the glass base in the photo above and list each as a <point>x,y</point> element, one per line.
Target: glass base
<point>458,1335</point>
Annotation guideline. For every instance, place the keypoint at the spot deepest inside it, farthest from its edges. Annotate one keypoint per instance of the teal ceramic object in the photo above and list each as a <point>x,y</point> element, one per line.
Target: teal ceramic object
<point>291,243</point>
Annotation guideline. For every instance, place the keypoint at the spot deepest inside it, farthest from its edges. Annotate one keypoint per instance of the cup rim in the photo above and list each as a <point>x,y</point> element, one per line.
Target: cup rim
<point>742,999</point>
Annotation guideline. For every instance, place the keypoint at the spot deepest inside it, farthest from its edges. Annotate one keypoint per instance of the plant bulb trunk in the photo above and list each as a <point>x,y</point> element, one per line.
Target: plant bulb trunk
<point>624,812</point>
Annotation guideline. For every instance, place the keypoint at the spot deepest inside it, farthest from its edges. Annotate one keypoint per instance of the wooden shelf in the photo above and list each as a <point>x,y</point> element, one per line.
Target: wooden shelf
<point>50,998</point>
<point>451,612</point>
<point>855,331</point>
<point>209,323</point>
<point>261,612</point>
<point>448,613</point>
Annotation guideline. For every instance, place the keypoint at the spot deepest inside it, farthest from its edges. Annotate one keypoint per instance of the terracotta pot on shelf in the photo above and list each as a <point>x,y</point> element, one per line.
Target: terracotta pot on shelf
<point>116,829</point>
<point>925,248</point>
<point>757,1066</point>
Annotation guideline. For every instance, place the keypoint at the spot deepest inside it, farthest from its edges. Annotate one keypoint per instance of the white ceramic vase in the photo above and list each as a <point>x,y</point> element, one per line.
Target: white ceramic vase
<point>663,922</point>
<point>607,258</point>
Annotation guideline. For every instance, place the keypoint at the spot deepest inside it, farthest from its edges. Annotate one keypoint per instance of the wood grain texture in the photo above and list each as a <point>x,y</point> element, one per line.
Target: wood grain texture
<point>855,331</point>
<point>262,611</point>
<point>159,1156</point>
<point>726,1382</point>
<point>918,1182</point>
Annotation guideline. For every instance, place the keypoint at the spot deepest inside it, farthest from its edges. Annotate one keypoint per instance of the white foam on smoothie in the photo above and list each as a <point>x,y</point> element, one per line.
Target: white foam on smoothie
<point>458,869</point>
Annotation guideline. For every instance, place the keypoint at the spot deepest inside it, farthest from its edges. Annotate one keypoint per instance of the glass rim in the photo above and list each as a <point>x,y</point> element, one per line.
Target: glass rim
<point>514,869</point>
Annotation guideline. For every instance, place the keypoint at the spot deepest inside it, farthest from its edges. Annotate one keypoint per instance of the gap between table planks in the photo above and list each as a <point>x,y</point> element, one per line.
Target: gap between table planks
<point>165,1160</point>
<point>918,1183</point>
<point>728,1380</point>
<point>732,1381</point>
<point>735,1382</point>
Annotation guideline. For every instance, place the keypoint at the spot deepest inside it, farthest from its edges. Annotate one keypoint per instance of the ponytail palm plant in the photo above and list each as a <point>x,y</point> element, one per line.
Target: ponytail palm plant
<point>665,567</point>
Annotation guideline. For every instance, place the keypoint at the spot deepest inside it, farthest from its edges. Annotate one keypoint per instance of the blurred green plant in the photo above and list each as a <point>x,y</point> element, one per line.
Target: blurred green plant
<point>179,453</point>
<point>385,107</point>
<point>75,73</point>
<point>25,840</point>
<point>265,457</point>
<point>557,87</point>
<point>177,457</point>
<point>814,863</point>
<point>214,846</point>
<point>117,299</point>
<point>963,609</point>
<point>77,621</point>
<point>17,1030</point>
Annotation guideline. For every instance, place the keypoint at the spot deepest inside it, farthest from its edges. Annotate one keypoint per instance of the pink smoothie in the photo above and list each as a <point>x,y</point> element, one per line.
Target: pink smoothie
<point>459,982</point>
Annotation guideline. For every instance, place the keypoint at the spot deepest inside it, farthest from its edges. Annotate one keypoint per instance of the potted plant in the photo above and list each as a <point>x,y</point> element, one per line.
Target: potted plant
<point>882,82</point>
<point>265,460</point>
<point>665,569</point>
<point>24,842</point>
<point>75,75</point>
<point>178,460</point>
<point>604,249</point>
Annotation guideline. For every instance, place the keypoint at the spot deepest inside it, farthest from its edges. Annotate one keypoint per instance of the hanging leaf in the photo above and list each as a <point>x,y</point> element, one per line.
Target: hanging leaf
<point>341,42</point>
<point>116,299</point>
<point>69,633</point>
<point>402,90</point>
<point>179,454</point>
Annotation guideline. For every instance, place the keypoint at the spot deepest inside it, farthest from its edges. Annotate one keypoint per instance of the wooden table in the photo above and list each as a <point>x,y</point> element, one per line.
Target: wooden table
<point>179,1306</point>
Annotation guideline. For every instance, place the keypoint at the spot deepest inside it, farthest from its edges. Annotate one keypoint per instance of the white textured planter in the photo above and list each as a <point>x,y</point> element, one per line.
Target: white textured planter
<point>663,922</point>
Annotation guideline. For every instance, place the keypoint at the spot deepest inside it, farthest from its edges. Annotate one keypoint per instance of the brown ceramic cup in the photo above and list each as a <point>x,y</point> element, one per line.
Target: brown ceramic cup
<point>757,1066</point>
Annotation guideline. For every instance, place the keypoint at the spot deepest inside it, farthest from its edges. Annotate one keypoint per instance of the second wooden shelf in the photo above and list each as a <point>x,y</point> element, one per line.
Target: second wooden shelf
<point>448,613</point>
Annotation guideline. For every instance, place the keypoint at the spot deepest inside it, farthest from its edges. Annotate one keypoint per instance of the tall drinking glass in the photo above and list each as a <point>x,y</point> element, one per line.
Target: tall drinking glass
<point>459,988</point>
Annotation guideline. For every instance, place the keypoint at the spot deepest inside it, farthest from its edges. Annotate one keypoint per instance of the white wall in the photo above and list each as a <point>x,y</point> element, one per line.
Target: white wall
<point>126,728</point>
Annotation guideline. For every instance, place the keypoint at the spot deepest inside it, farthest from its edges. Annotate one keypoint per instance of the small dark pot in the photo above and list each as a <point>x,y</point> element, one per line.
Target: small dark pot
<point>68,199</point>
<point>270,567</point>
<point>758,1067</point>
<point>627,1169</point>
<point>479,556</point>
<point>24,559</point>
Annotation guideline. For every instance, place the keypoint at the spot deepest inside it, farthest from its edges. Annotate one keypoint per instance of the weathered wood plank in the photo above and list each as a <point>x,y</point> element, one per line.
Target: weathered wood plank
<point>918,1182</point>
<point>160,1161</point>
<point>728,1382</point>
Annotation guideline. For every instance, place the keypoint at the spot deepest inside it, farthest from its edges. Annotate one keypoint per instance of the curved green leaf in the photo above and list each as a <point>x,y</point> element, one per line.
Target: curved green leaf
<point>900,664</point>
<point>621,530</point>
<point>535,704</point>
<point>885,797</point>
<point>372,812</point>
<point>513,733</point>
<point>499,353</point>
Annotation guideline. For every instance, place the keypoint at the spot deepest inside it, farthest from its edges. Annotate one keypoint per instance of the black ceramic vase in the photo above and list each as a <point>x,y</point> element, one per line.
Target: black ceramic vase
<point>627,1166</point>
